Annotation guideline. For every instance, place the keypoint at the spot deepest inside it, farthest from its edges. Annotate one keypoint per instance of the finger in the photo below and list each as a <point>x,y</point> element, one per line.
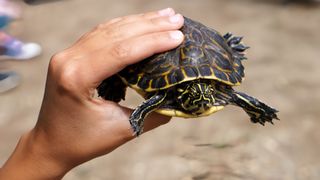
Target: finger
<point>108,62</point>
<point>146,26</point>
<point>103,36</point>
<point>155,120</point>
<point>148,15</point>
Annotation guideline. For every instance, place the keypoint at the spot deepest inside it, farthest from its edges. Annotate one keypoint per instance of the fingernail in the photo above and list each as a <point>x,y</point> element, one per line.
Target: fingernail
<point>176,35</point>
<point>176,18</point>
<point>166,12</point>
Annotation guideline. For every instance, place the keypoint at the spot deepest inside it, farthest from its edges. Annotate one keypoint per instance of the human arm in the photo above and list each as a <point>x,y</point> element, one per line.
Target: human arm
<point>73,126</point>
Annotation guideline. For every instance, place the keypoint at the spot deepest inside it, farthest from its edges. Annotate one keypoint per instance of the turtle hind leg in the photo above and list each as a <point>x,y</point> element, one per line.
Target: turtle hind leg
<point>138,115</point>
<point>235,43</point>
<point>257,110</point>
<point>112,89</point>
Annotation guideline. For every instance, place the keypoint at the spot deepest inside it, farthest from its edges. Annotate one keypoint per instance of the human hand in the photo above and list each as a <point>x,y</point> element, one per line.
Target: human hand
<point>73,126</point>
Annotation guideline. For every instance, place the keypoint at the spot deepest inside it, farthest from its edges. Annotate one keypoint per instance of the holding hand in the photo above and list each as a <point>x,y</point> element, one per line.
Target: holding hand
<point>73,126</point>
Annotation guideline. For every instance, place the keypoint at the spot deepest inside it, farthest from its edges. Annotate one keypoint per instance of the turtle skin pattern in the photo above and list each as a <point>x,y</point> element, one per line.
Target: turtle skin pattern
<point>204,54</point>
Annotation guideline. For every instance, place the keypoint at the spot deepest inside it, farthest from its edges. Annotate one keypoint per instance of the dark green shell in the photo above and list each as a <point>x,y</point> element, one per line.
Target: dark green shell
<point>204,54</point>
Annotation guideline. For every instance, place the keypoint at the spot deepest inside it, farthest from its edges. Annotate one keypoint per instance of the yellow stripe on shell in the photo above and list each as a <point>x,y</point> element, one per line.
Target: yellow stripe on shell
<point>136,87</point>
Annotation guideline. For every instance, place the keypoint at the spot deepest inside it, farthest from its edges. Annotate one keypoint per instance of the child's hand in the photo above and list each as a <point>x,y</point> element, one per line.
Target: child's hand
<point>73,126</point>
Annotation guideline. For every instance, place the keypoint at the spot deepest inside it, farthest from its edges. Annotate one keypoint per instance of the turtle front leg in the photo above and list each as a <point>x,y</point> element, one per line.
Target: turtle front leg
<point>257,110</point>
<point>138,115</point>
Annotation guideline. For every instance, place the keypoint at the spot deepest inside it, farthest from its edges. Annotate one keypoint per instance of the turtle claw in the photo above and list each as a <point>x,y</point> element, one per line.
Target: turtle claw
<point>265,117</point>
<point>243,58</point>
<point>274,116</point>
<point>235,43</point>
<point>240,47</point>
<point>227,36</point>
<point>235,40</point>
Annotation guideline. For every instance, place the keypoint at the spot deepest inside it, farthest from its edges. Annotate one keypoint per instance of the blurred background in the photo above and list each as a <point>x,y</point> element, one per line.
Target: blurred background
<point>282,69</point>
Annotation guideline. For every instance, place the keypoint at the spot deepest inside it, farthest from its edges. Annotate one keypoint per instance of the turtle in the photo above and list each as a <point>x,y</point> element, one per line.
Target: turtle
<point>193,80</point>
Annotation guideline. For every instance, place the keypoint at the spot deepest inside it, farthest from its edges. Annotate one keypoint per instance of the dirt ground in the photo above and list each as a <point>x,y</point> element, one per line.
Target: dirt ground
<point>282,70</point>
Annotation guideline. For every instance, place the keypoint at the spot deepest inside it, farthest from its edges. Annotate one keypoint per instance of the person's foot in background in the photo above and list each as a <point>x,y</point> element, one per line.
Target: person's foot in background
<point>8,81</point>
<point>11,48</point>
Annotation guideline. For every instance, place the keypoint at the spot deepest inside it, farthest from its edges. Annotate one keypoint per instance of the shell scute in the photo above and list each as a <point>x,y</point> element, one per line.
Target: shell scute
<point>191,71</point>
<point>205,70</point>
<point>204,54</point>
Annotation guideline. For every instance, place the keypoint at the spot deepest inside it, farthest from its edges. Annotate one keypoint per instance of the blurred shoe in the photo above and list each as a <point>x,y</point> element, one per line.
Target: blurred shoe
<point>27,51</point>
<point>38,2</point>
<point>8,81</point>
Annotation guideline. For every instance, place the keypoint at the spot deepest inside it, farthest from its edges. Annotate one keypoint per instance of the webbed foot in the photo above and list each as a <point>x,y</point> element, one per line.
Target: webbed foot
<point>235,43</point>
<point>258,111</point>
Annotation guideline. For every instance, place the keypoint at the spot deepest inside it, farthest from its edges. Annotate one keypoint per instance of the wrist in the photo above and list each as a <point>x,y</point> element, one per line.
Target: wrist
<point>31,160</point>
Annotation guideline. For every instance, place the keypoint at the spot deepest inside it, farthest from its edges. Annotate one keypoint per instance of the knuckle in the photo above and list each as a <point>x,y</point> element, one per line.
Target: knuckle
<point>146,15</point>
<point>59,57</point>
<point>126,18</point>
<point>66,78</point>
<point>110,33</point>
<point>100,26</point>
<point>63,72</point>
<point>114,20</point>
<point>56,61</point>
<point>121,51</point>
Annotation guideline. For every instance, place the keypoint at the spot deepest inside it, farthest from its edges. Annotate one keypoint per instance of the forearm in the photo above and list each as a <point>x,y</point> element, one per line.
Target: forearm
<point>29,161</point>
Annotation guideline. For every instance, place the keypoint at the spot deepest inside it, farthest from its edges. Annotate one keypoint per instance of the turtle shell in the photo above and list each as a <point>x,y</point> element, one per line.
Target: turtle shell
<point>204,54</point>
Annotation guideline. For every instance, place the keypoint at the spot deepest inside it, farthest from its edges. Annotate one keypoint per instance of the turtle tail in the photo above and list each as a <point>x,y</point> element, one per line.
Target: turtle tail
<point>235,44</point>
<point>257,110</point>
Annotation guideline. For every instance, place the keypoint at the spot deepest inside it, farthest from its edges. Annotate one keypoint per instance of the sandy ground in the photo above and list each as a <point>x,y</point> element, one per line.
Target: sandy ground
<point>282,70</point>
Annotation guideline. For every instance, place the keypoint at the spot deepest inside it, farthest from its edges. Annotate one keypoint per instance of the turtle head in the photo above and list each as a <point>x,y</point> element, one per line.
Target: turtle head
<point>197,97</point>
